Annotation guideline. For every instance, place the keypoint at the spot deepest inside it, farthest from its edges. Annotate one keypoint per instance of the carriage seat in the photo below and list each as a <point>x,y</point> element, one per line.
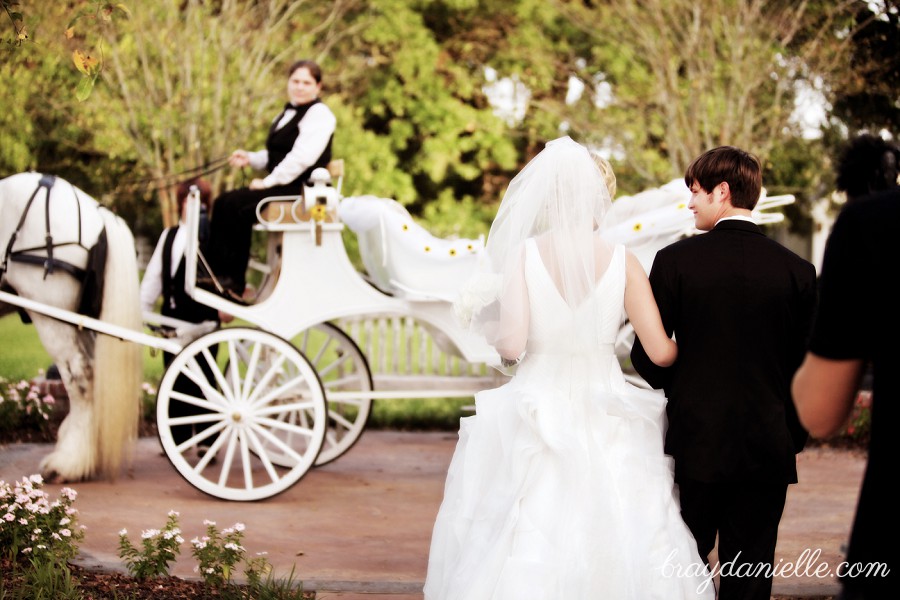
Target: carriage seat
<point>288,210</point>
<point>401,257</point>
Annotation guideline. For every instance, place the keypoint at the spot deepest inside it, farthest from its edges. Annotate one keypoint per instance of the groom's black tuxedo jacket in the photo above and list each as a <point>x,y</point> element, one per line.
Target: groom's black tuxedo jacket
<point>740,306</point>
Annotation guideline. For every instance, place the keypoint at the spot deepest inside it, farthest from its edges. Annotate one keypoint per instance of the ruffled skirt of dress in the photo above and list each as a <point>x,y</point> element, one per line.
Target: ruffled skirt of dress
<point>559,489</point>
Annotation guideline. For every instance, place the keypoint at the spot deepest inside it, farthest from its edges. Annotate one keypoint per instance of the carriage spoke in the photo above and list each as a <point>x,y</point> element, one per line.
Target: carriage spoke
<point>340,419</point>
<point>245,460</point>
<point>195,373</point>
<point>234,369</point>
<point>226,434</point>
<point>315,361</point>
<point>198,402</point>
<point>277,409</point>
<point>229,458</point>
<point>304,343</point>
<point>251,369</point>
<point>263,383</point>
<point>220,378</point>
<point>274,439</point>
<point>287,427</point>
<point>263,457</point>
<point>279,391</point>
<point>340,361</point>
<point>202,435</point>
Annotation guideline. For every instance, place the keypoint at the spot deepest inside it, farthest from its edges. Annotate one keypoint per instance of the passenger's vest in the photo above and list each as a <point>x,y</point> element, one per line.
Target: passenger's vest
<point>281,141</point>
<point>176,303</point>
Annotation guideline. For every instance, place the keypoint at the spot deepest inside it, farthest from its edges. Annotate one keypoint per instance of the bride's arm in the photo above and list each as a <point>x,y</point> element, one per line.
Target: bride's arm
<point>644,314</point>
<point>514,314</point>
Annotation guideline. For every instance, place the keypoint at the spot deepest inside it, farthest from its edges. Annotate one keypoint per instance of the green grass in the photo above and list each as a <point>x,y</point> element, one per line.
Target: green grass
<point>22,356</point>
<point>21,352</point>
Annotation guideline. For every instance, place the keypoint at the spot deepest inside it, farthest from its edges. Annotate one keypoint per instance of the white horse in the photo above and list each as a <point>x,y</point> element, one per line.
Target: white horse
<point>47,227</point>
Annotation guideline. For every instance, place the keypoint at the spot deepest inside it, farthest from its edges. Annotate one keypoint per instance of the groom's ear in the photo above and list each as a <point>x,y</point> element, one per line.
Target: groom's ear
<point>722,192</point>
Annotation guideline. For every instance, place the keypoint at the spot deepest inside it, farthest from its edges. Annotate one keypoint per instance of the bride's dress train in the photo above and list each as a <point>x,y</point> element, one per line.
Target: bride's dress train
<point>559,488</point>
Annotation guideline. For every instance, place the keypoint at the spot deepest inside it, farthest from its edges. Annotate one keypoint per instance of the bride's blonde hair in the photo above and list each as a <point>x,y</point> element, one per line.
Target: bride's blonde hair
<point>609,177</point>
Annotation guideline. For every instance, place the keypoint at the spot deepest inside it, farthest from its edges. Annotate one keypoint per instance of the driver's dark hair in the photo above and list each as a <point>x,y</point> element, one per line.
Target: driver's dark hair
<point>314,69</point>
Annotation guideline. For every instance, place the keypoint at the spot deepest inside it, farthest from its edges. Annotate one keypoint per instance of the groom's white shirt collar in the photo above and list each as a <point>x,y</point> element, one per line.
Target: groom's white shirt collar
<point>736,218</point>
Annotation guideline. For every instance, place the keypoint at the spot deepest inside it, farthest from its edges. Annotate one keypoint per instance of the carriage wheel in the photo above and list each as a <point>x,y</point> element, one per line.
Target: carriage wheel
<point>342,367</point>
<point>266,392</point>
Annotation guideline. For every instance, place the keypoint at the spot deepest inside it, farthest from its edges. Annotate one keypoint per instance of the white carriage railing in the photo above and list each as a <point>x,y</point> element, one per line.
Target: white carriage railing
<point>403,354</point>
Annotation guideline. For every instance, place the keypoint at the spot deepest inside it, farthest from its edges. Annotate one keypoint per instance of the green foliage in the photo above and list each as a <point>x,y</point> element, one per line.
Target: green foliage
<point>158,549</point>
<point>439,414</point>
<point>273,588</point>
<point>16,20</point>
<point>50,582</point>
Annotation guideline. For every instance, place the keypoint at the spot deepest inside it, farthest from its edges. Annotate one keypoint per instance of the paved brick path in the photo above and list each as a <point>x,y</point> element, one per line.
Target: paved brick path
<point>360,527</point>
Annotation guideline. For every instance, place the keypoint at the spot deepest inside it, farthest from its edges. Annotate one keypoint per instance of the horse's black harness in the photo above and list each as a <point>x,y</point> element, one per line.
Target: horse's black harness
<point>25,255</point>
<point>90,276</point>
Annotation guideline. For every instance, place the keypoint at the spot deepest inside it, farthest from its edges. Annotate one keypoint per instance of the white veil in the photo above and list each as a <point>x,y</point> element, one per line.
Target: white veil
<point>559,198</point>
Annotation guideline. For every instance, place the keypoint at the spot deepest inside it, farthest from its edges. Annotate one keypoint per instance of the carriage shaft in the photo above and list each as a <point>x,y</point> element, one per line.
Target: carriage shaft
<point>84,322</point>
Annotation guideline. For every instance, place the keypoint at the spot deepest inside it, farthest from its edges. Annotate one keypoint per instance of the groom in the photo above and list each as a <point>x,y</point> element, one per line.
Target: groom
<point>740,306</point>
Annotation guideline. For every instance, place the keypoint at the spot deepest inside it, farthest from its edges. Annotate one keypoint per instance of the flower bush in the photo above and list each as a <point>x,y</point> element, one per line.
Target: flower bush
<point>217,554</point>
<point>33,526</point>
<point>23,407</point>
<point>158,549</point>
<point>43,535</point>
<point>860,425</point>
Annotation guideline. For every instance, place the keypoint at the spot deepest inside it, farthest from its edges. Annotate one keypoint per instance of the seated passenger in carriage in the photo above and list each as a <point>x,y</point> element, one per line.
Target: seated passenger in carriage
<point>299,141</point>
<point>164,276</point>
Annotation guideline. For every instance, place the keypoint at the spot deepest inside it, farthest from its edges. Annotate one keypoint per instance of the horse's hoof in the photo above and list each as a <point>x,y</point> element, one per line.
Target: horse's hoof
<point>53,477</point>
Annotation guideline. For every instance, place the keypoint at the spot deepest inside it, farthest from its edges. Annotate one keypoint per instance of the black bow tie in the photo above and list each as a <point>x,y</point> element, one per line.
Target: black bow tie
<point>290,106</point>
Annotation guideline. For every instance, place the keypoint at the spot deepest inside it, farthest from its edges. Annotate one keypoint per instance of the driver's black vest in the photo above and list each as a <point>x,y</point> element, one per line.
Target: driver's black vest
<point>281,141</point>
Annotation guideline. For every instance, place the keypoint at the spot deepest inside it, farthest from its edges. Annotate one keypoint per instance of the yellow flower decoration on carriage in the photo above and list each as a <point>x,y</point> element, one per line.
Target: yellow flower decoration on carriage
<point>405,227</point>
<point>452,251</point>
<point>637,227</point>
<point>682,205</point>
<point>427,248</point>
<point>318,212</point>
<point>469,247</point>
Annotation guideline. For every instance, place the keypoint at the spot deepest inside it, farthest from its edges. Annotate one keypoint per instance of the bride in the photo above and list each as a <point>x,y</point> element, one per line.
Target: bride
<point>559,488</point>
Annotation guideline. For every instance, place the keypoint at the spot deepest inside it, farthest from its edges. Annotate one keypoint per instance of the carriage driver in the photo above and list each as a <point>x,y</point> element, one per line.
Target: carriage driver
<point>299,141</point>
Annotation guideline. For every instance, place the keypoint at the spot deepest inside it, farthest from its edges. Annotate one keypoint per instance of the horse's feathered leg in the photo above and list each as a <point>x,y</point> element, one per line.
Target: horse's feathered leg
<point>74,457</point>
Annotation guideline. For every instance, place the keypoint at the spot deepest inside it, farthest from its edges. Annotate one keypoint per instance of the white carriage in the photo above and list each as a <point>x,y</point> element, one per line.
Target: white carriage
<point>287,390</point>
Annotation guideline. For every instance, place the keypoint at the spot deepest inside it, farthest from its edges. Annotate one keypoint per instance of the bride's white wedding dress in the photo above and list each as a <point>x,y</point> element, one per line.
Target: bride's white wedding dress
<point>559,488</point>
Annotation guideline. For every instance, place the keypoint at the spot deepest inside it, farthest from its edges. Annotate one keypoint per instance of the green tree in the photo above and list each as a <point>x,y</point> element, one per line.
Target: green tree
<point>867,97</point>
<point>189,81</point>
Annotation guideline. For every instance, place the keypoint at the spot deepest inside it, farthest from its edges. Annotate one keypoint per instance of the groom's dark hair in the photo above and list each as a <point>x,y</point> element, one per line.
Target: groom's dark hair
<point>738,168</point>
